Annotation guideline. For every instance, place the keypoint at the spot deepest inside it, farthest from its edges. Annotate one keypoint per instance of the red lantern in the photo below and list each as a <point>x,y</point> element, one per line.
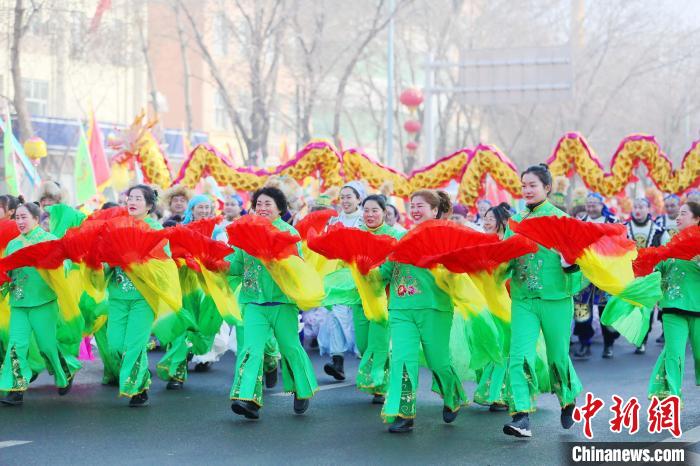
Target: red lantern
<point>412,126</point>
<point>412,146</point>
<point>411,98</point>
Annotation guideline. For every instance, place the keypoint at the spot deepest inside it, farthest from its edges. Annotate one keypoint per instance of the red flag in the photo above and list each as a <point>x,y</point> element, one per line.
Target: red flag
<point>97,154</point>
<point>103,6</point>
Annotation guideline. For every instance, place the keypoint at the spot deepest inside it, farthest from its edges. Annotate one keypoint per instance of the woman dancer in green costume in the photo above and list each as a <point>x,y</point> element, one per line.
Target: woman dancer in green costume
<point>267,309</point>
<point>420,313</point>
<point>372,338</point>
<point>542,287</point>
<point>130,318</point>
<point>681,314</point>
<point>34,313</point>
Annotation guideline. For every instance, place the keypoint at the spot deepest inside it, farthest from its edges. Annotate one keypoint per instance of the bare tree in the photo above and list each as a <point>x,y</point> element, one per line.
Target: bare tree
<point>260,34</point>
<point>22,21</point>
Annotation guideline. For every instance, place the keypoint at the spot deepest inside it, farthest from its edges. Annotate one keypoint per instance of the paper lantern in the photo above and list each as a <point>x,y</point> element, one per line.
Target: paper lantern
<point>412,146</point>
<point>35,148</point>
<point>412,126</point>
<point>411,98</point>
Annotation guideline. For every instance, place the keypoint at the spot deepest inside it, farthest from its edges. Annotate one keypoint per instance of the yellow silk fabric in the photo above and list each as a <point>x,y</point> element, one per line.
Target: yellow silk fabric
<point>298,280</point>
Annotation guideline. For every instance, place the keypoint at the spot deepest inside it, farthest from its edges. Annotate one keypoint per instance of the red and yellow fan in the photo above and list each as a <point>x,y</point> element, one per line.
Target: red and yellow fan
<point>605,257</point>
<point>278,252</point>
<point>486,264</point>
<point>316,221</point>
<point>48,258</point>
<point>207,259</point>
<point>8,232</point>
<point>422,247</point>
<point>363,252</point>
<point>141,254</point>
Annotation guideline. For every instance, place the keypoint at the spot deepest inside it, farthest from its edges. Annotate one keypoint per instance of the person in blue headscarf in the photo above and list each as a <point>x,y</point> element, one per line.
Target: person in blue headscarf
<point>199,207</point>
<point>591,297</point>
<point>173,365</point>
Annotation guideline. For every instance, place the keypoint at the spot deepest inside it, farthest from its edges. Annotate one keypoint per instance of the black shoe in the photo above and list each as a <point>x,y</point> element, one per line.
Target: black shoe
<point>64,391</point>
<point>335,369</point>
<point>378,399</point>
<point>583,352</point>
<point>608,352</point>
<point>495,407</point>
<point>448,415</point>
<point>271,378</point>
<point>140,400</point>
<point>641,349</point>
<point>519,426</point>
<point>203,366</point>
<point>567,416</point>
<point>174,385</point>
<point>661,340</point>
<point>35,375</point>
<point>248,409</point>
<point>300,406</point>
<point>401,426</point>
<point>13,399</point>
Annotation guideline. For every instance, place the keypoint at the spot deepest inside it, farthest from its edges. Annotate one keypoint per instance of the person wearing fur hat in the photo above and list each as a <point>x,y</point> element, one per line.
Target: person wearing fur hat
<point>592,297</point>
<point>337,334</point>
<point>175,202</point>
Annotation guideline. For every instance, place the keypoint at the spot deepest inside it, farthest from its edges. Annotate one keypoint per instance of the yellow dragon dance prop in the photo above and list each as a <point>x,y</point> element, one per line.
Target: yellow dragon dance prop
<point>467,166</point>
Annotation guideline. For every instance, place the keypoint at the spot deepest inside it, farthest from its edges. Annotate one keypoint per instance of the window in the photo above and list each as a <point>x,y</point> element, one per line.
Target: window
<point>221,118</point>
<point>36,94</point>
<point>221,34</point>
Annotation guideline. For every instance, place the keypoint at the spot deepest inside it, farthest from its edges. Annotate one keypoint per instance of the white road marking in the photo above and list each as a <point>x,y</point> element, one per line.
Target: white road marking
<point>322,387</point>
<point>13,443</point>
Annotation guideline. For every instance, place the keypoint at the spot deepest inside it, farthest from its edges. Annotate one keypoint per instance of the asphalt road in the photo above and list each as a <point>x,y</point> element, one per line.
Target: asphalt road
<point>196,426</point>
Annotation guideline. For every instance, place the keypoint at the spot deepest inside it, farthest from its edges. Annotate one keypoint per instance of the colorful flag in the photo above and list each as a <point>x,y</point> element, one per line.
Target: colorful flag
<point>10,165</point>
<point>12,146</point>
<point>100,166</point>
<point>83,174</point>
<point>103,6</point>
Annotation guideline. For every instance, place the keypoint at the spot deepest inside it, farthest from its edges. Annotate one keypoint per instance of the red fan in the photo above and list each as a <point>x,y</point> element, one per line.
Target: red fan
<point>122,246</point>
<point>108,214</point>
<point>486,257</point>
<point>685,245</point>
<point>352,245</point>
<point>187,244</point>
<point>646,260</point>
<point>8,232</point>
<point>258,237</point>
<point>78,242</point>
<point>436,237</point>
<point>567,235</point>
<point>205,226</point>
<point>44,255</point>
<point>315,220</point>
